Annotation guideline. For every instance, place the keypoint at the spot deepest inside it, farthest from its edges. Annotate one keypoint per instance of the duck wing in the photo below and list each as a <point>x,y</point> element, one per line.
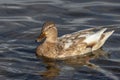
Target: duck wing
<point>89,37</point>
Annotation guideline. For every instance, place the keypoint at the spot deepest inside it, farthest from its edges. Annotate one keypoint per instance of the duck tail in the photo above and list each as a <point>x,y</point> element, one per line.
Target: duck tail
<point>102,40</point>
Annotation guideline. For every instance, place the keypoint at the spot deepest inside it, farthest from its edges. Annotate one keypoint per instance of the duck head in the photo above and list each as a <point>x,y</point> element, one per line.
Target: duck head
<point>48,32</point>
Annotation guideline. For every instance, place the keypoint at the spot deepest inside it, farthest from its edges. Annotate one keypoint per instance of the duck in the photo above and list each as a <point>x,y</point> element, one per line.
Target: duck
<point>68,45</point>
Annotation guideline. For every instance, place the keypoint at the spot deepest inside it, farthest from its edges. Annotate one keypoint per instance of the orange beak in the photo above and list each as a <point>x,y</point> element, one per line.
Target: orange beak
<point>41,37</point>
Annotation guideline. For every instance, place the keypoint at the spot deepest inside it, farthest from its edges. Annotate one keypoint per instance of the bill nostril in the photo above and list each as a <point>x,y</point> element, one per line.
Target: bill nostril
<point>36,40</point>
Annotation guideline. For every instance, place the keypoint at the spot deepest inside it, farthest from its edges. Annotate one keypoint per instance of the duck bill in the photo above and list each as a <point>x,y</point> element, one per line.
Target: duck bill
<point>41,37</point>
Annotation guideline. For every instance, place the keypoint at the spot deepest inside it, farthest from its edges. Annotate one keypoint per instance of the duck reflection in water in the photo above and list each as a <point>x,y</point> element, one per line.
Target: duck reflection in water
<point>54,67</point>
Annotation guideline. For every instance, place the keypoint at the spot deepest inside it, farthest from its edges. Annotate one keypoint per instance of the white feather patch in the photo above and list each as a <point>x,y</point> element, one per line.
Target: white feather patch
<point>94,37</point>
<point>68,44</point>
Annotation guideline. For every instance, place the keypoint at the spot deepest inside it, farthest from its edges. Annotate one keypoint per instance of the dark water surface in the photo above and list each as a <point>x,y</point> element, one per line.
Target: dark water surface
<point>20,24</point>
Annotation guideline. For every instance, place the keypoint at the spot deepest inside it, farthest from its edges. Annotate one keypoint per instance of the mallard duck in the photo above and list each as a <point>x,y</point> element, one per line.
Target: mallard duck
<point>77,43</point>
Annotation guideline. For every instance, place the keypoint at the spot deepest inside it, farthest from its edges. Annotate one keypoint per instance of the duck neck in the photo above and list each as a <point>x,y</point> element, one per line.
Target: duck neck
<point>51,39</point>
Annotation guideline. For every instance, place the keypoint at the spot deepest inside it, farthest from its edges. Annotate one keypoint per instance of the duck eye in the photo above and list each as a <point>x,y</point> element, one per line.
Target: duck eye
<point>50,26</point>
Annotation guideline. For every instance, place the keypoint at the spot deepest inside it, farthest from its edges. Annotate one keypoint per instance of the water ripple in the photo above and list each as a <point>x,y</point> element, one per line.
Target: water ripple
<point>20,24</point>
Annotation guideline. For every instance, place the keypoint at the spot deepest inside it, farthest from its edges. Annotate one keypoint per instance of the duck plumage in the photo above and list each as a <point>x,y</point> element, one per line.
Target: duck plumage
<point>77,43</point>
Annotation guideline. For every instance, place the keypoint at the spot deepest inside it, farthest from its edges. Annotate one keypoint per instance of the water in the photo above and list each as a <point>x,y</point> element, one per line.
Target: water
<point>20,24</point>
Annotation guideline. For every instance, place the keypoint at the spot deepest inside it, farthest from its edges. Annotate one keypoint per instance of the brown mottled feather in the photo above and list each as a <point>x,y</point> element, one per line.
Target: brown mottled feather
<point>77,43</point>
